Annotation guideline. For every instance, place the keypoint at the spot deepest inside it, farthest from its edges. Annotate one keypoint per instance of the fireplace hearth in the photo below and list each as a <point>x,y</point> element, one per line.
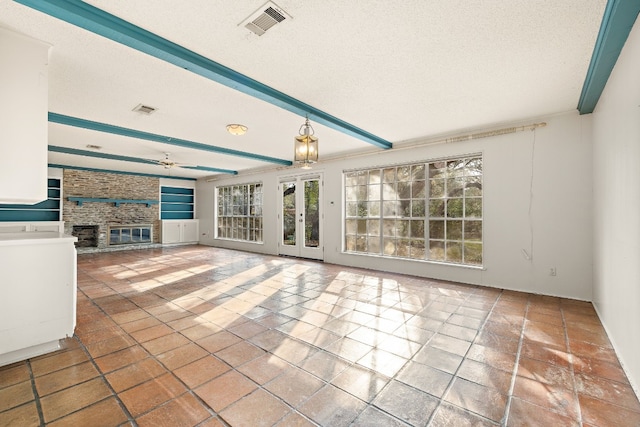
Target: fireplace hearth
<point>87,236</point>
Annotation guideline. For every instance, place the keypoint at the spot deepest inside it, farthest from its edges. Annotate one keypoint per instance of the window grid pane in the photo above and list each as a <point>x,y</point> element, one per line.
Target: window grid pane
<point>425,211</point>
<point>240,212</point>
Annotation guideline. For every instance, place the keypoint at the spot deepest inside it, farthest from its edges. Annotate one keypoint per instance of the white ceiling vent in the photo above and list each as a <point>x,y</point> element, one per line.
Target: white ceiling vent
<point>144,109</point>
<point>265,18</point>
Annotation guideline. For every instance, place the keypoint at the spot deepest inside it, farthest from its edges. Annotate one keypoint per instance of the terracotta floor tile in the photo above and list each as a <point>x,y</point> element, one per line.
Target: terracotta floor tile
<point>202,330</point>
<point>485,375</point>
<point>555,398</point>
<point>545,373</point>
<point>148,334</point>
<point>294,419</point>
<point>332,407</point>
<point>109,346</point>
<point>142,323</point>
<point>57,361</point>
<point>426,323</point>
<point>201,371</point>
<point>466,321</point>
<point>148,395</point>
<point>134,374</point>
<point>240,353</point>
<point>591,351</point>
<point>181,356</point>
<point>120,359</point>
<point>601,413</point>
<point>460,332</point>
<point>477,398</point>
<point>422,329</point>
<point>294,351</point>
<point>449,415</point>
<point>21,416</point>
<point>497,342</point>
<point>607,390</point>
<point>165,343</point>
<point>16,395</point>
<point>407,403</point>
<point>349,349</point>
<point>105,413</point>
<point>218,341</point>
<point>596,336</point>
<point>69,400</point>
<point>382,362</point>
<point>425,378</point>
<point>340,327</point>
<point>64,378</point>
<point>400,347</point>
<point>225,390</point>
<point>525,414</point>
<point>363,383</point>
<point>185,410</point>
<point>129,316</point>
<point>450,344</point>
<point>248,329</point>
<point>258,409</point>
<point>546,317</point>
<point>324,365</point>
<point>318,337</point>
<point>13,374</point>
<point>439,359</point>
<point>373,417</point>
<point>547,353</point>
<point>294,386</point>
<point>599,368</point>
<point>413,333</point>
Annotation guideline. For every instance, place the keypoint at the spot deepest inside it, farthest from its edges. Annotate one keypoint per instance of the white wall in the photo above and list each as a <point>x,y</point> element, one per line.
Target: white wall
<point>616,142</point>
<point>537,197</point>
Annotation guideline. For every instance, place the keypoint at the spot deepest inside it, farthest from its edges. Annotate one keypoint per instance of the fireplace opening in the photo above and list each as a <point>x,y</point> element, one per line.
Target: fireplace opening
<point>130,234</point>
<point>87,236</point>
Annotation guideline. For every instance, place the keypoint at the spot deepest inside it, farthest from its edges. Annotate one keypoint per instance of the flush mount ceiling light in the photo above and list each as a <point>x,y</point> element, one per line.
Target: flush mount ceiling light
<point>237,129</point>
<point>306,146</point>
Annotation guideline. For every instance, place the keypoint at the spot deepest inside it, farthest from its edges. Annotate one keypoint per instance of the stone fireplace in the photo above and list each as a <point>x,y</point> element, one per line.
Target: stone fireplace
<point>110,203</point>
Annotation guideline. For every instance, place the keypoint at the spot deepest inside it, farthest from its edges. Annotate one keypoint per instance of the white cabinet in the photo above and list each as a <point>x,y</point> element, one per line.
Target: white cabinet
<point>180,231</point>
<point>37,293</point>
<point>23,113</point>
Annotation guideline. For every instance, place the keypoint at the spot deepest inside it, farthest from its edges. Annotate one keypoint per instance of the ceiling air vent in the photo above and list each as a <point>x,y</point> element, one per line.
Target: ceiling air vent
<point>144,109</point>
<point>265,18</point>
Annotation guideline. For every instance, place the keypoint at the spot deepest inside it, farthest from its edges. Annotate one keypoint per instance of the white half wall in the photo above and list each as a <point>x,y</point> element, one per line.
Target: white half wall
<point>616,174</point>
<point>537,199</point>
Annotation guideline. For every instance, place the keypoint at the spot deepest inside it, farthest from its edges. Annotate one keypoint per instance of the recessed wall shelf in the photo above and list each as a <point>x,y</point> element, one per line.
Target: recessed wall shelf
<point>117,202</point>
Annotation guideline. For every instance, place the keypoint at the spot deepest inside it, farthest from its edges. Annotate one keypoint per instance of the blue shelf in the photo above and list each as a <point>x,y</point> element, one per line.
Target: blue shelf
<point>117,202</point>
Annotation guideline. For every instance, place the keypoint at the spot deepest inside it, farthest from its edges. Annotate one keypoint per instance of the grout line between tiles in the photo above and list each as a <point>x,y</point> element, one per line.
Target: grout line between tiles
<point>514,375</point>
<point>36,396</point>
<point>571,369</point>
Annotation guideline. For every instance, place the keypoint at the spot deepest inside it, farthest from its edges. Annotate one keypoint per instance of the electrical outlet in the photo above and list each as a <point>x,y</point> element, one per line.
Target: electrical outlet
<point>552,271</point>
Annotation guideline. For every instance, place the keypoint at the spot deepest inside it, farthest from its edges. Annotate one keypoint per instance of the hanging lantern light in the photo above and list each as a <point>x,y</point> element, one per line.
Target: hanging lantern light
<point>306,146</point>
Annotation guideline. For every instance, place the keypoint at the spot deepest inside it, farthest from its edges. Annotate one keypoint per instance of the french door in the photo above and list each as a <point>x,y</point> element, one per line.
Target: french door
<point>300,218</point>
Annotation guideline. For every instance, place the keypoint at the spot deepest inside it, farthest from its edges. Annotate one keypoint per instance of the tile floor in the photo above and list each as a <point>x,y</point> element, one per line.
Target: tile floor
<point>197,336</point>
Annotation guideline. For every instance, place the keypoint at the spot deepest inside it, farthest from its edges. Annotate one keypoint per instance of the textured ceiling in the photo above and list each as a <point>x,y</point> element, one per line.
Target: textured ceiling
<point>401,71</point>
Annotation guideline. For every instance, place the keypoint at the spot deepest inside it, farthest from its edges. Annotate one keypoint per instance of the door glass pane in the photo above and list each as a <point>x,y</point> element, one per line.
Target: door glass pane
<point>289,214</point>
<point>312,214</point>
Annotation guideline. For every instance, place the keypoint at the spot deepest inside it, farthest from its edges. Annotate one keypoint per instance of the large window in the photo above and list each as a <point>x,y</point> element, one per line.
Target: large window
<point>427,211</point>
<point>240,212</point>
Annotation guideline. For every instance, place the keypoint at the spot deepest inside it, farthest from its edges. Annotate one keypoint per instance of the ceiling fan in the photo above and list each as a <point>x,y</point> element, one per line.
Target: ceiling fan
<point>167,163</point>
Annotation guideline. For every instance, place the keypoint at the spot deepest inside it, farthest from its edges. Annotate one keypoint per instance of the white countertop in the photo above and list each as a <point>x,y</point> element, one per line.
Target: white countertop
<point>35,238</point>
